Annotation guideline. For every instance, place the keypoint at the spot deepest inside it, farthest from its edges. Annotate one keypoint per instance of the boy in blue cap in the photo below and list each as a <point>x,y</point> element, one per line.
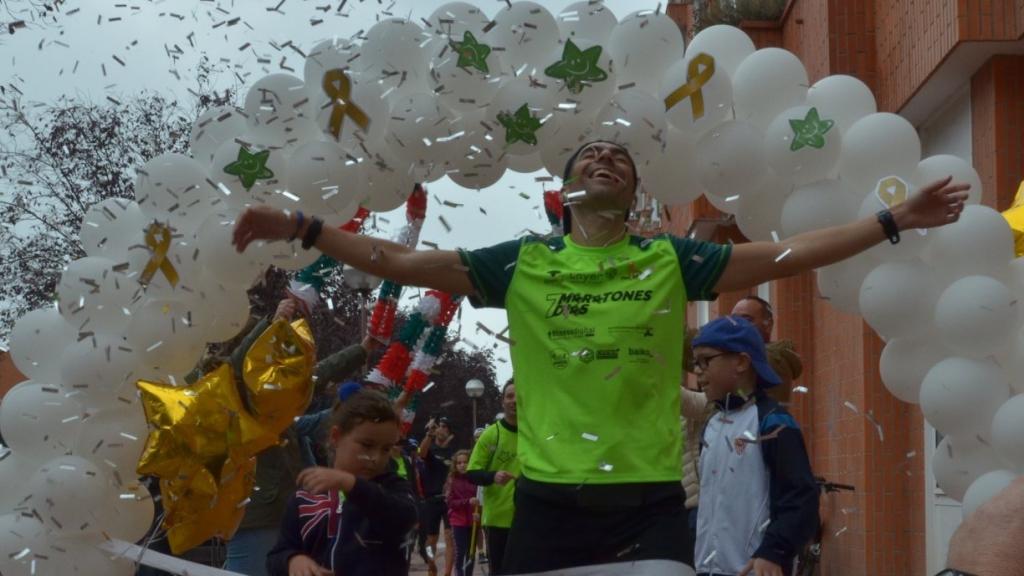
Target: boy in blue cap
<point>758,498</point>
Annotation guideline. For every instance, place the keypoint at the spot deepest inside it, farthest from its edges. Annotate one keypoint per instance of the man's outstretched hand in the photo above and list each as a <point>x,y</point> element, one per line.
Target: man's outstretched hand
<point>937,204</point>
<point>262,223</point>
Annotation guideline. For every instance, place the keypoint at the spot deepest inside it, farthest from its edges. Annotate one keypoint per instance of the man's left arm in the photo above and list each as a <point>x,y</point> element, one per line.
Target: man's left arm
<point>339,365</point>
<point>754,263</point>
<point>793,492</point>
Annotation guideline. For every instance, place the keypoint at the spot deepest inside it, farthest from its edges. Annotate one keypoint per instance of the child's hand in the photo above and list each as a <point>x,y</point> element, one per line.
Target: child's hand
<point>302,565</point>
<point>473,501</point>
<point>761,567</point>
<point>320,479</point>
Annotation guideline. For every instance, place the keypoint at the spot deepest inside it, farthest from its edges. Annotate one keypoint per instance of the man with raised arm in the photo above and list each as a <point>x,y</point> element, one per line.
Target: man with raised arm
<point>596,320</point>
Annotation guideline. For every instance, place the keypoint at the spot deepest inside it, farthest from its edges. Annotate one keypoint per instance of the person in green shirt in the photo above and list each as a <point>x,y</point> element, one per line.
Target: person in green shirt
<point>596,321</point>
<point>494,465</point>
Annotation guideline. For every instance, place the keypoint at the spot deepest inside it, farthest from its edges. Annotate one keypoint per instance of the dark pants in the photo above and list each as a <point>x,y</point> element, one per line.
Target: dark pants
<point>464,556</point>
<point>497,538</point>
<point>556,528</point>
<point>692,520</point>
<point>433,514</point>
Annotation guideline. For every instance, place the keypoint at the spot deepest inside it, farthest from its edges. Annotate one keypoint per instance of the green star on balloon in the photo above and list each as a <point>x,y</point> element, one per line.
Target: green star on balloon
<point>250,167</point>
<point>577,68</point>
<point>472,54</point>
<point>520,126</point>
<point>810,131</point>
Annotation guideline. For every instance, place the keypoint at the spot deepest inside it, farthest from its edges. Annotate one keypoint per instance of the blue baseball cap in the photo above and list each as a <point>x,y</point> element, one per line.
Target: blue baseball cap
<point>346,390</point>
<point>735,334</point>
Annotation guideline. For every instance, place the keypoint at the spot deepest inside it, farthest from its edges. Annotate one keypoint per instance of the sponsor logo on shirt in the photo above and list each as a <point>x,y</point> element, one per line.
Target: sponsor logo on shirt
<point>559,358</point>
<point>557,276</point>
<point>577,304</point>
<point>570,333</point>
<point>641,331</point>
<point>608,354</point>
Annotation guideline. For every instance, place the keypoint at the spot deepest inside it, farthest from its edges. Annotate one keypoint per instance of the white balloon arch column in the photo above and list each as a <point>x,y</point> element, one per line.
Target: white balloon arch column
<point>469,96</point>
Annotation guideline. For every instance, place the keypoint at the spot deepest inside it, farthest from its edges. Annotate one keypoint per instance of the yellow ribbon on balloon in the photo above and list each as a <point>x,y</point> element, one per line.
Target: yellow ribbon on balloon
<point>698,73</point>
<point>1015,218</point>
<point>158,239</point>
<point>204,436</point>
<point>338,87</point>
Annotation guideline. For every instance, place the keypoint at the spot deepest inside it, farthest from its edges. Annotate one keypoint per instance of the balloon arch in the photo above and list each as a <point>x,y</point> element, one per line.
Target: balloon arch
<point>469,96</point>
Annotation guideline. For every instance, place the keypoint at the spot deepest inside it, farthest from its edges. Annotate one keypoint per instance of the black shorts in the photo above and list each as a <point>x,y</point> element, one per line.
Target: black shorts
<point>433,513</point>
<point>558,526</point>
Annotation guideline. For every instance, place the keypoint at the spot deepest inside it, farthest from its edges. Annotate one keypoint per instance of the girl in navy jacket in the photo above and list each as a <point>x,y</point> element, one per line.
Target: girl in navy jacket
<point>356,517</point>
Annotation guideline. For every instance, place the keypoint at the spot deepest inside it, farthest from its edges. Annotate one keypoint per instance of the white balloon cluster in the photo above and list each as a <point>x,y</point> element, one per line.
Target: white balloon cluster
<point>470,96</point>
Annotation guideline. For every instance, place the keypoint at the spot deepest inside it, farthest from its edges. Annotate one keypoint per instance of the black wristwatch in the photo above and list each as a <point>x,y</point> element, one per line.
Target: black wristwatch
<point>892,231</point>
<point>953,572</point>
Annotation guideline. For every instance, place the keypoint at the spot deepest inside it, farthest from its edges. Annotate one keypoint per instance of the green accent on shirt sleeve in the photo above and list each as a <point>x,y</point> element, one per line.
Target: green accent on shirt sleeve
<point>702,264</point>
<point>491,270</point>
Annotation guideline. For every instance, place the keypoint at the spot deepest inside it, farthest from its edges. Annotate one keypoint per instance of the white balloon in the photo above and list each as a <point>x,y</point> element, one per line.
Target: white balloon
<point>393,54</point>
<point>129,514</point>
<point>275,101</point>
<point>15,470</point>
<point>670,175</point>
<point>322,176</point>
<point>730,159</point>
<point>840,283</point>
<point>980,242</point>
<point>728,45</point>
<point>904,364</point>
<point>586,20</point>
<point>799,148</point>
<point>941,166</point>
<point>108,225</point>
<point>584,96</point>
<point>452,20</point>
<point>389,180</point>
<point>365,96</point>
<point>643,45</point>
<point>715,94</point>
<point>67,492</point>
<point>113,438</point>
<point>759,215</point>
<point>960,396</point>
<point>912,243</point>
<point>521,103</point>
<point>877,146</point>
<point>766,83</point>
<point>285,255</point>
<point>96,367</point>
<point>232,311</point>
<point>984,488</point>
<point>635,120</point>
<point>172,184</point>
<point>421,129</point>
<point>37,340</point>
<point>817,205</point>
<point>977,316</point>
<point>218,257</point>
<point>525,164</point>
<point>842,98</point>
<point>81,556</point>
<point>526,32</point>
<point>92,296</point>
<point>212,129</point>
<point>162,334</point>
<point>22,539</point>
<point>335,53</point>
<point>726,205</point>
<point>896,298</point>
<point>960,461</point>
<point>571,131</point>
<point>1008,431</point>
<point>260,184</point>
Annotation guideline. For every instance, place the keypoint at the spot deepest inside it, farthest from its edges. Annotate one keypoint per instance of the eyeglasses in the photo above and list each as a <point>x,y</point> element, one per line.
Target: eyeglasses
<point>702,362</point>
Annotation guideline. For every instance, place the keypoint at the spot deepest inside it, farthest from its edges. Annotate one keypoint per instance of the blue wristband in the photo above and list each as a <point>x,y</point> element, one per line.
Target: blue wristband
<point>300,218</point>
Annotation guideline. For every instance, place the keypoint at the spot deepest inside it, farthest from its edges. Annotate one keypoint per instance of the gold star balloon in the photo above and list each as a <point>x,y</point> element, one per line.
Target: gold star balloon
<point>204,436</point>
<point>1015,218</point>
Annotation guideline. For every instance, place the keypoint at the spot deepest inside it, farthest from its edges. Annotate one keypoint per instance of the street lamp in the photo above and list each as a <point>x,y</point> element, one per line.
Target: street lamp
<point>474,389</point>
<point>363,283</point>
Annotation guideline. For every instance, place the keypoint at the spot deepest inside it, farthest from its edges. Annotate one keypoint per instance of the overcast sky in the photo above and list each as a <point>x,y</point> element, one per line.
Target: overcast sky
<point>117,48</point>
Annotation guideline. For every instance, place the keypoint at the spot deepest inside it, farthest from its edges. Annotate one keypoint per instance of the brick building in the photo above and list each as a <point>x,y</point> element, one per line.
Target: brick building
<point>955,69</point>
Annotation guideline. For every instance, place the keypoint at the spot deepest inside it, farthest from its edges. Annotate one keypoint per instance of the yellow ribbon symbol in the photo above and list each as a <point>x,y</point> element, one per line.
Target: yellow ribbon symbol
<point>158,238</point>
<point>338,86</point>
<point>891,191</point>
<point>698,73</point>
